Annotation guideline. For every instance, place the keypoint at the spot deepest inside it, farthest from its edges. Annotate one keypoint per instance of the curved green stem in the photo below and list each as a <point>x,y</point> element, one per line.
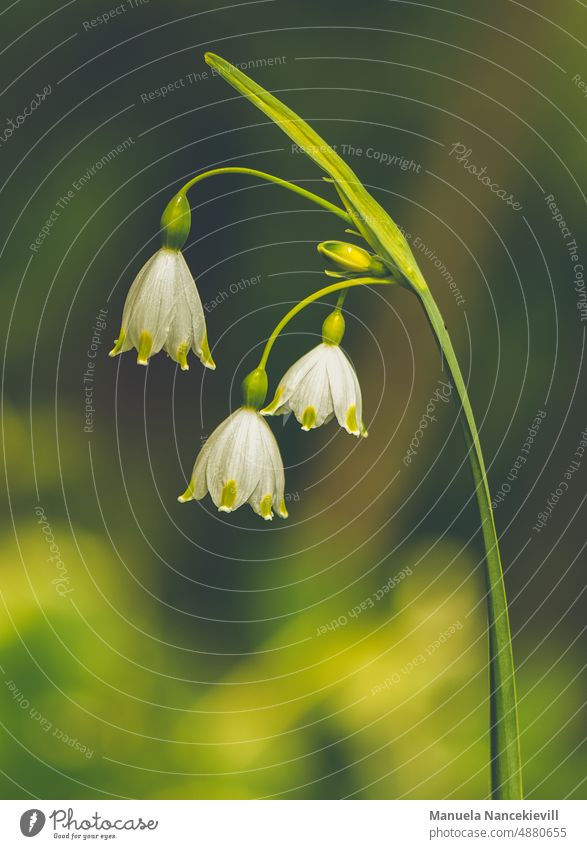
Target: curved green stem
<point>325,204</point>
<point>506,771</point>
<point>343,285</point>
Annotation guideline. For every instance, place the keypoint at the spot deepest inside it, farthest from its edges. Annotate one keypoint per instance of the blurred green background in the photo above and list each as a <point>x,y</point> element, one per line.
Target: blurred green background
<point>175,652</point>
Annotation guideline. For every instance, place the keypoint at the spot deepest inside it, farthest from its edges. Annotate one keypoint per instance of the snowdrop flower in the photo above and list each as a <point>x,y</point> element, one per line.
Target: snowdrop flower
<point>322,384</point>
<point>240,462</point>
<point>163,309</point>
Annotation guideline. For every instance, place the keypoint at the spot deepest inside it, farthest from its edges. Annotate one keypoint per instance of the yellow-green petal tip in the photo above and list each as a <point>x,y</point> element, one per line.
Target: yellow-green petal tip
<point>271,408</point>
<point>206,356</point>
<point>228,497</point>
<point>118,343</point>
<point>188,495</point>
<point>145,348</point>
<point>351,421</point>
<point>309,417</point>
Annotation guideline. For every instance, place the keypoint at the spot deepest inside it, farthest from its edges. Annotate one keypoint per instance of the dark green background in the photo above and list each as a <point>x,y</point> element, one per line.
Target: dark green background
<point>186,657</point>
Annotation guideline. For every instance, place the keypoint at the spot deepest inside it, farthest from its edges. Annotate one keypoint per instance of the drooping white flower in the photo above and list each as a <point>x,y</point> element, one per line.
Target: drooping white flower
<point>322,384</point>
<point>163,310</point>
<point>240,462</point>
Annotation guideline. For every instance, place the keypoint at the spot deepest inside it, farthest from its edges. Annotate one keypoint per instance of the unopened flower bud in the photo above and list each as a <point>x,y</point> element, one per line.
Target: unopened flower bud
<point>333,328</point>
<point>254,388</point>
<point>176,222</point>
<point>352,259</point>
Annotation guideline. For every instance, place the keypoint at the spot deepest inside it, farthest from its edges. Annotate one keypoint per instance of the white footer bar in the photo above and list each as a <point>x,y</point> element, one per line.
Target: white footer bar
<point>294,824</point>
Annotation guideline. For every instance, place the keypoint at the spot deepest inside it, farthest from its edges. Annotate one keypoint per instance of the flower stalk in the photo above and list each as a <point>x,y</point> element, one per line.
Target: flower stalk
<point>253,172</point>
<point>343,285</point>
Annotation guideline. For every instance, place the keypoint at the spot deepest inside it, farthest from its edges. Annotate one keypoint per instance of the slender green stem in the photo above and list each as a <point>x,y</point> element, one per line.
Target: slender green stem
<point>506,773</point>
<point>252,172</point>
<point>343,285</point>
<point>341,299</point>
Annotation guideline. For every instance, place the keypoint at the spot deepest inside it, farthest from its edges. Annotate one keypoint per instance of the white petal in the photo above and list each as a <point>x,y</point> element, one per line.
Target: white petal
<point>198,486</point>
<point>313,398</point>
<point>346,392</point>
<point>188,325</point>
<point>270,491</point>
<point>223,437</point>
<point>238,456</point>
<point>263,496</point>
<point>150,302</point>
<point>163,301</point>
<point>276,462</point>
<point>240,462</point>
<point>318,386</point>
<point>294,375</point>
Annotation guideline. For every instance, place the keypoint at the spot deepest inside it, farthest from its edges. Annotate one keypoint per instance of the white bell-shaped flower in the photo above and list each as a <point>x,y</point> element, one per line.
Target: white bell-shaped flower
<point>322,384</point>
<point>163,310</point>
<point>240,462</point>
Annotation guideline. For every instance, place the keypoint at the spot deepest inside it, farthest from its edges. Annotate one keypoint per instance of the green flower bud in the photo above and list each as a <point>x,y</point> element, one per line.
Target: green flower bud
<point>352,259</point>
<point>254,388</point>
<point>333,328</point>
<point>176,222</point>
